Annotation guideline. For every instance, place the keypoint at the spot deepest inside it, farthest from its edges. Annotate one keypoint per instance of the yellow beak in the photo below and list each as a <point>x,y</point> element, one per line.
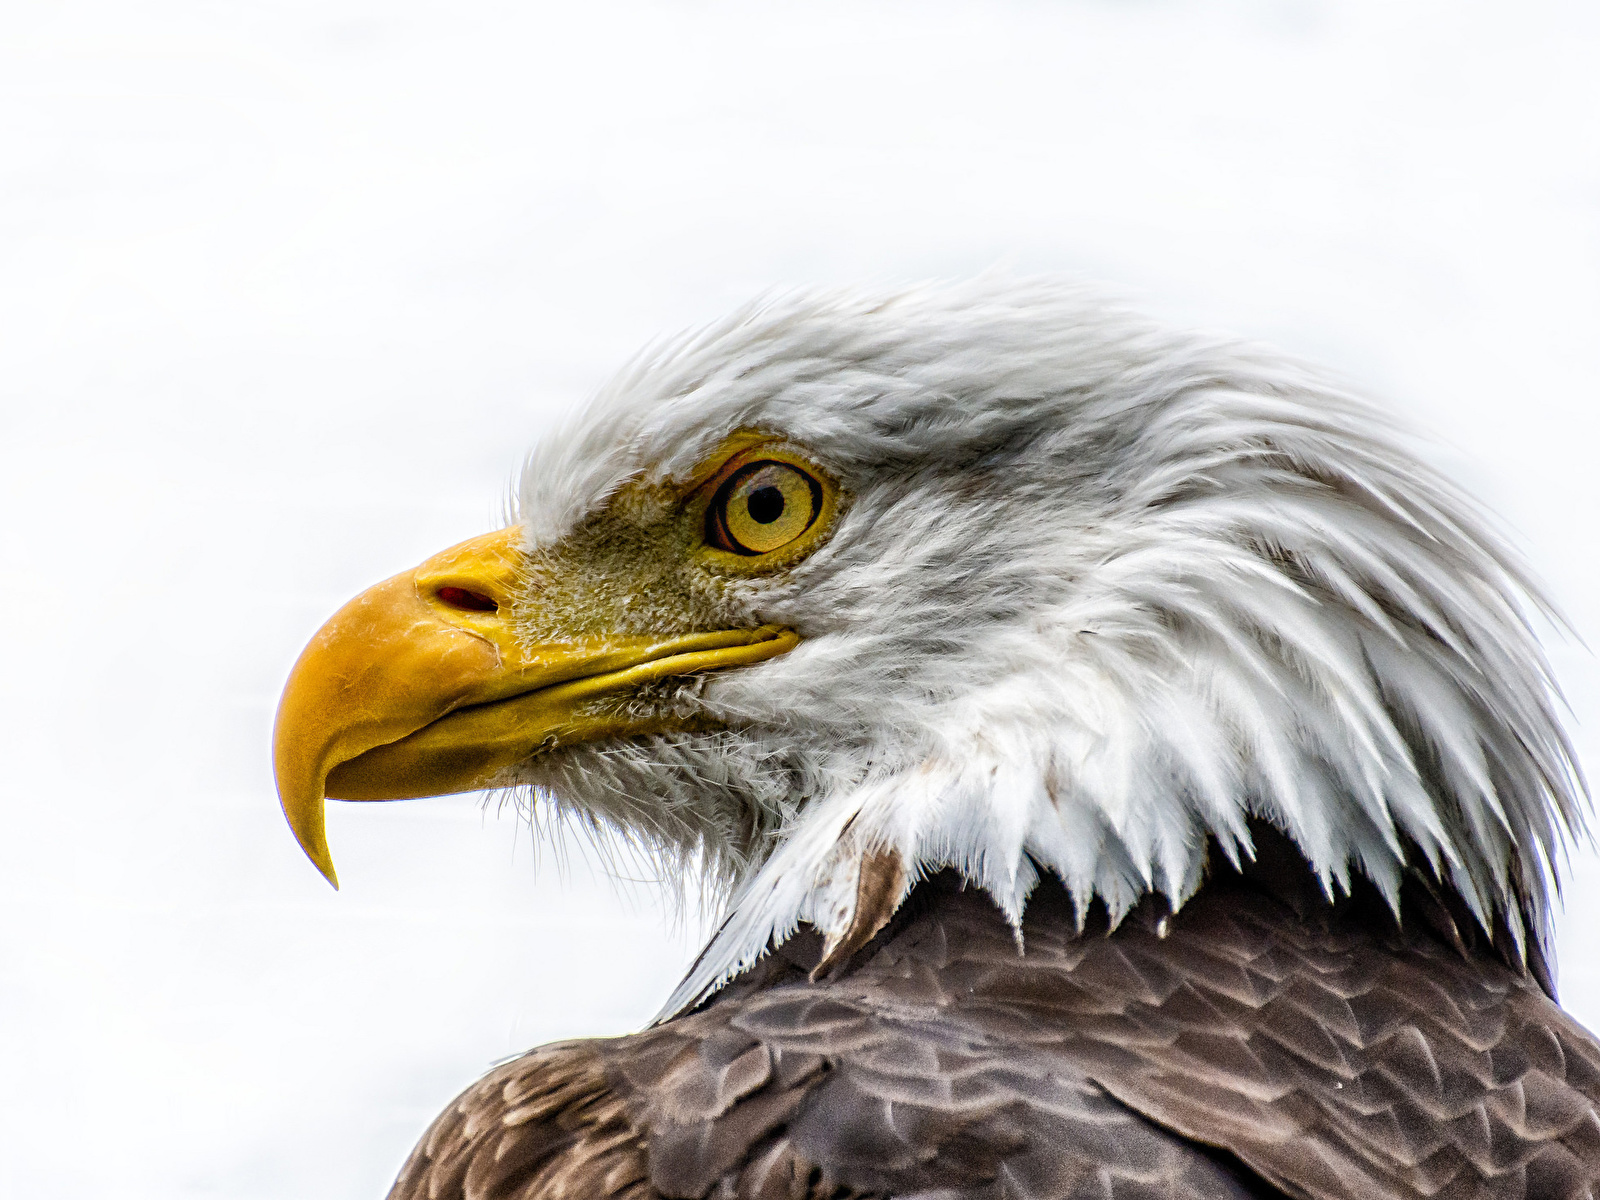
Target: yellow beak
<point>419,687</point>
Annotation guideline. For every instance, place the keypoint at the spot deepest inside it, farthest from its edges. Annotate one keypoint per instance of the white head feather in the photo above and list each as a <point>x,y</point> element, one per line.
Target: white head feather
<point>1102,592</point>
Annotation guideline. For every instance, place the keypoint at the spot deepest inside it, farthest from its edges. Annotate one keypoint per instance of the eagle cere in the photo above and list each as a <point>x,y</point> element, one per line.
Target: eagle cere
<point>1164,644</point>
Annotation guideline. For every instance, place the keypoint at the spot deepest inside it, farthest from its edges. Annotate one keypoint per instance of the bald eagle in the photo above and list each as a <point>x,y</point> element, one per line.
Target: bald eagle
<point>1129,770</point>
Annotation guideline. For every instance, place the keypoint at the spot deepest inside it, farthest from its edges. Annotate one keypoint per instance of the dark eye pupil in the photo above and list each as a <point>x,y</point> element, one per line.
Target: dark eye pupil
<point>765,505</point>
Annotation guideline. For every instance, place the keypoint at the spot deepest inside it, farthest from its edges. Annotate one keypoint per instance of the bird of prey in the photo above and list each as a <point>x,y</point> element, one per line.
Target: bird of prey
<point>1130,770</point>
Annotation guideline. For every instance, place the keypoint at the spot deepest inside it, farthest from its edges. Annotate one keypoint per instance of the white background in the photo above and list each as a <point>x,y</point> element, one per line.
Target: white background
<point>286,291</point>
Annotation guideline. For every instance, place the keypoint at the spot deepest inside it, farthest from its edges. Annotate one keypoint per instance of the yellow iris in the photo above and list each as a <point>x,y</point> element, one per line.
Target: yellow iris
<point>765,507</point>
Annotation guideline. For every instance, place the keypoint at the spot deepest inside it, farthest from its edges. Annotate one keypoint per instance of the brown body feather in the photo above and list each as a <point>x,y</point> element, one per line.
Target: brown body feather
<point>1255,1044</point>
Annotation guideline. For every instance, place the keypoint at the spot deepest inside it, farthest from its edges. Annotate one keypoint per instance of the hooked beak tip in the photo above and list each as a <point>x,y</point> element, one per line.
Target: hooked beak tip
<point>309,833</point>
<point>328,873</point>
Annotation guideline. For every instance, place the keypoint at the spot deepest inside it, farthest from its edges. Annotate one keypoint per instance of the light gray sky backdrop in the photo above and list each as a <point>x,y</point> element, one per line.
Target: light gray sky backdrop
<point>287,290</point>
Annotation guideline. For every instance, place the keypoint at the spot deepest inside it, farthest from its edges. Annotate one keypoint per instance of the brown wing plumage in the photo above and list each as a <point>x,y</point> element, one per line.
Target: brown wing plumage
<point>547,1125</point>
<point>1237,1049</point>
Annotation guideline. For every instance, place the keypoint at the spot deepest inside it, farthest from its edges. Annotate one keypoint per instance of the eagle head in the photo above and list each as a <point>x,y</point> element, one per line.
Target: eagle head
<point>995,577</point>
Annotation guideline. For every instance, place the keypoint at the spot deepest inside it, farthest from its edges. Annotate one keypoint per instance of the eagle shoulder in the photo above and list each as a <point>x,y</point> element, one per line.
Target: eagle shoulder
<point>1239,1048</point>
<point>545,1125</point>
<point>781,1089</point>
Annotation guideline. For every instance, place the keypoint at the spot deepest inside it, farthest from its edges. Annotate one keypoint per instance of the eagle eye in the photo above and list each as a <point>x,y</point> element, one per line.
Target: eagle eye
<point>762,507</point>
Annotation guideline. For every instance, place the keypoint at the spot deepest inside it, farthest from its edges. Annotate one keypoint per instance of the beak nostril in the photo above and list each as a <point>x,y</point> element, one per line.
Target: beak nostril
<point>457,597</point>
